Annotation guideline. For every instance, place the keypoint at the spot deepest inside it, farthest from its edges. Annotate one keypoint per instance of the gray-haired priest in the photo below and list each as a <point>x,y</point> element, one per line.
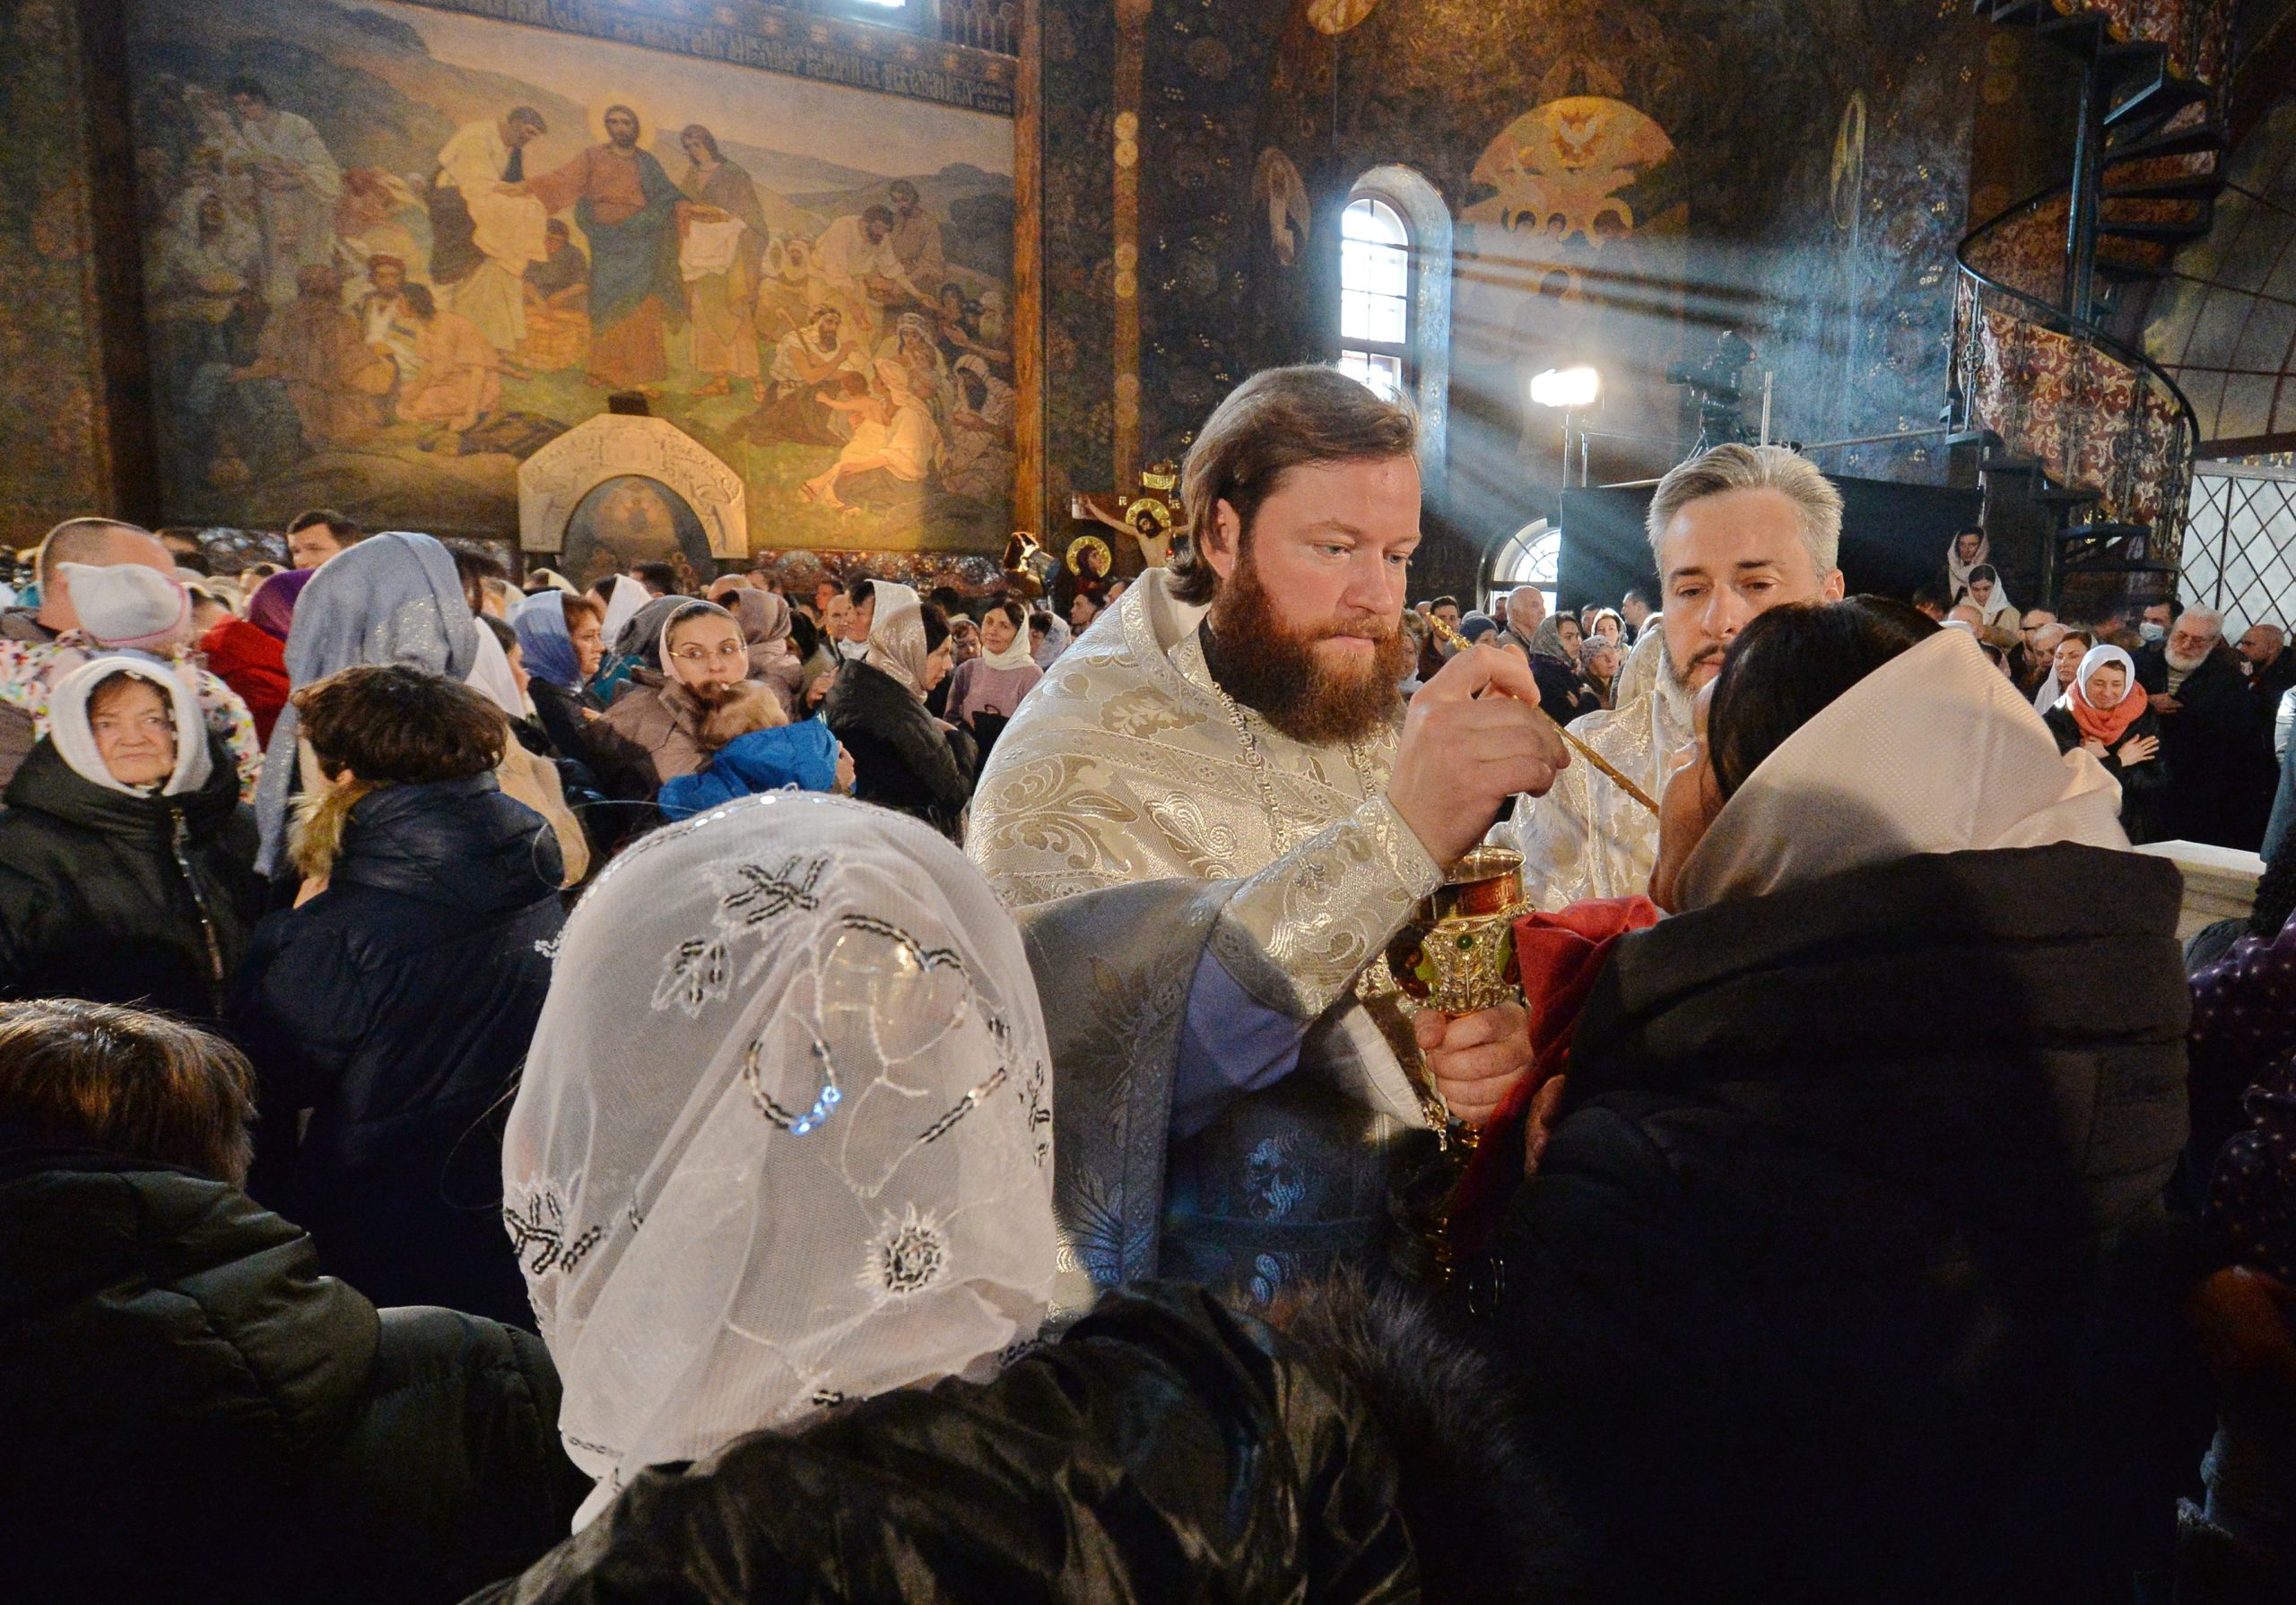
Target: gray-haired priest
<point>1212,817</point>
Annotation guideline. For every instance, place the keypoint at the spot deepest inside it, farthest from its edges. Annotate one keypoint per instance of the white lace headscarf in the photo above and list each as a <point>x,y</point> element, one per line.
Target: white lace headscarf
<point>785,1133</point>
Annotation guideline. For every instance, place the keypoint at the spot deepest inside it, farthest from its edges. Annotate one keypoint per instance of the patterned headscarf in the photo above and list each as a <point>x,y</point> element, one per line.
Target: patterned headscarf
<point>784,1136</point>
<point>897,638</point>
<point>393,598</point>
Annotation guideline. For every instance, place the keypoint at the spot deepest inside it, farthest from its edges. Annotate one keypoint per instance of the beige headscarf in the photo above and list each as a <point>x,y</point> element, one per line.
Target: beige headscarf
<point>897,638</point>
<point>1935,751</point>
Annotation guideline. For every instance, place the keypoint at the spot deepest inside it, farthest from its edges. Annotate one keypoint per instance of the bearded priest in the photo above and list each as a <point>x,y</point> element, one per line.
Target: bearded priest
<point>1210,818</point>
<point>1734,532</point>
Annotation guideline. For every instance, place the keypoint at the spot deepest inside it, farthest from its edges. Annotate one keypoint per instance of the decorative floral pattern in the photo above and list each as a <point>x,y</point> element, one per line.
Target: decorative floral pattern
<point>907,1256</point>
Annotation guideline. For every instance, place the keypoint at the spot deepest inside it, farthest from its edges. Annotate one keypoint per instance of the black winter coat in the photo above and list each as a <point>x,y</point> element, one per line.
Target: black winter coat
<point>396,1006</point>
<point>560,712</point>
<point>901,759</point>
<point>1166,1449</point>
<point>2211,746</point>
<point>1843,1276</point>
<point>2142,786</point>
<point>196,1414</point>
<point>125,899</point>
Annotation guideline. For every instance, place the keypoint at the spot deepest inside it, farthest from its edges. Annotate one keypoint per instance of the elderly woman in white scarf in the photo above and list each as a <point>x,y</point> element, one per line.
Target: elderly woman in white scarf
<point>1790,1197</point>
<point>126,864</point>
<point>904,758</point>
<point>780,1171</point>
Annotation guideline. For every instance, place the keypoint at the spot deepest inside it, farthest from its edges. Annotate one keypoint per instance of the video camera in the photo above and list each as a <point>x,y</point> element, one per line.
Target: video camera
<point>1716,385</point>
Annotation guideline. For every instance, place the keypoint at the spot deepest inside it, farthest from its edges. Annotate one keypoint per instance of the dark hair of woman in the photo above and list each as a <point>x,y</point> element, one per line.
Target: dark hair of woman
<point>111,687</point>
<point>804,635</point>
<point>1790,664</point>
<point>391,725</point>
<point>127,1081</point>
<point>937,625</point>
<point>1013,611</point>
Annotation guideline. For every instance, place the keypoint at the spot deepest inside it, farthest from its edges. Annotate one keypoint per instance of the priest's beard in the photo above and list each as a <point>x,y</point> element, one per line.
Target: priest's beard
<point>1275,670</point>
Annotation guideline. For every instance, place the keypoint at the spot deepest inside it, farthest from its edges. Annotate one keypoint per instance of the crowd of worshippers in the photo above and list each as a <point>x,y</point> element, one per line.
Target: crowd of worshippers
<point>613,1095</point>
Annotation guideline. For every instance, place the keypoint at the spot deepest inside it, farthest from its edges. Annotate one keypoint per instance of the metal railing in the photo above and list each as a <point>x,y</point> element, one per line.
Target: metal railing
<point>2195,33</point>
<point>2096,414</point>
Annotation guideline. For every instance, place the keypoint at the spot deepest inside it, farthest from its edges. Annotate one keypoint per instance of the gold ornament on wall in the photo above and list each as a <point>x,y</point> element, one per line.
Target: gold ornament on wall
<point>1338,16</point>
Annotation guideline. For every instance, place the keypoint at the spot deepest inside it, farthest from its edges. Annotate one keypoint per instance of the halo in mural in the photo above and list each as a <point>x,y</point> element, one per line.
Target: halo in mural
<point>1338,16</point>
<point>1278,189</point>
<point>1848,178</point>
<point>646,126</point>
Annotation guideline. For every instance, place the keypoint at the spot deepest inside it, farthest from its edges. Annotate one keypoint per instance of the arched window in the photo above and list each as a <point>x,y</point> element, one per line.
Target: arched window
<point>1395,308</point>
<point>1531,556</point>
<point>1375,296</point>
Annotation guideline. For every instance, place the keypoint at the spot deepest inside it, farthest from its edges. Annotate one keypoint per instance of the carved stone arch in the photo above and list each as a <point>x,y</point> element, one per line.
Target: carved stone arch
<point>552,482</point>
<point>1411,194</point>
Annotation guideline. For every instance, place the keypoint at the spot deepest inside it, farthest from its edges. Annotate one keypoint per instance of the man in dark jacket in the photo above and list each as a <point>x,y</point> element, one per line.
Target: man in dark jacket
<point>2208,733</point>
<point>198,1415</point>
<point>395,1004</point>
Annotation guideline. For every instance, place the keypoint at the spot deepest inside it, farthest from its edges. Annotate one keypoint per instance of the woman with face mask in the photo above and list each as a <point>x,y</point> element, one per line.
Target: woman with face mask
<point>904,758</point>
<point>126,862</point>
<point>2105,714</point>
<point>1788,1197</point>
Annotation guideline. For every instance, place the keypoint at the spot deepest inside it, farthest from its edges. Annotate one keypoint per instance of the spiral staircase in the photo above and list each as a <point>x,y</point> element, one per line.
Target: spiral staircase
<point>2085,447</point>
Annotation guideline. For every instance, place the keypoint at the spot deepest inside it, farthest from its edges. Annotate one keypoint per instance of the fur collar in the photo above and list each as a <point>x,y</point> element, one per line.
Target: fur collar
<point>714,724</point>
<point>1484,1524</point>
<point>320,819</point>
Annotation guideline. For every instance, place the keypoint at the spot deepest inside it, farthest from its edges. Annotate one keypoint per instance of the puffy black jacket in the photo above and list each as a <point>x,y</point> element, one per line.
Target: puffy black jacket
<point>196,1414</point>
<point>396,1006</point>
<point>1836,1280</point>
<point>901,759</point>
<point>1166,1449</point>
<point>125,899</point>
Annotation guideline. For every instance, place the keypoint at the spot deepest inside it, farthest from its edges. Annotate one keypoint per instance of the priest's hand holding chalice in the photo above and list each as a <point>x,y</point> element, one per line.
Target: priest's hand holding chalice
<point>1474,737</point>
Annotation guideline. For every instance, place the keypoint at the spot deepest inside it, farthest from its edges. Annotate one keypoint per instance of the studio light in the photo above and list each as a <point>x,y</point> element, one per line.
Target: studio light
<point>1567,388</point>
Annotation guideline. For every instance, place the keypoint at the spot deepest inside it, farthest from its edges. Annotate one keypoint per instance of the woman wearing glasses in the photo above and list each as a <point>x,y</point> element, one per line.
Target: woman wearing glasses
<point>654,732</point>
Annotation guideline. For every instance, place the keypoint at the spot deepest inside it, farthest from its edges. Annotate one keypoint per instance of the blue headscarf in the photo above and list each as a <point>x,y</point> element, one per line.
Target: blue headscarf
<point>541,623</point>
<point>393,598</point>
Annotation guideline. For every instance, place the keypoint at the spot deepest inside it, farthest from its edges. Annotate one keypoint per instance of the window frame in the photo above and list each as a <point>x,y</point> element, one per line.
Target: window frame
<point>1406,353</point>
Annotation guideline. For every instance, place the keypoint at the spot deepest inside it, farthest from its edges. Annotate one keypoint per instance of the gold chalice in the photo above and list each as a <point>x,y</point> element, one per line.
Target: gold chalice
<point>1457,952</point>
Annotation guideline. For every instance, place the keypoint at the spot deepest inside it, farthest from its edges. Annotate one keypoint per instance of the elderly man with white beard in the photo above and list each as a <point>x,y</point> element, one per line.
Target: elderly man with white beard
<point>2209,735</point>
<point>1734,532</point>
<point>1212,817</point>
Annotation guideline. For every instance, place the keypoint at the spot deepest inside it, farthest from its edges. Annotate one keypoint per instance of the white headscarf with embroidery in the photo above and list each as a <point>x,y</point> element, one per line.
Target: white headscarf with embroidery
<point>785,1133</point>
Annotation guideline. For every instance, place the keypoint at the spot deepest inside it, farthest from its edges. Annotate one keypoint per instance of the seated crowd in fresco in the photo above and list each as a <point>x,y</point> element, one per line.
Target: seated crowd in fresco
<point>299,307</point>
<point>888,1079</point>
